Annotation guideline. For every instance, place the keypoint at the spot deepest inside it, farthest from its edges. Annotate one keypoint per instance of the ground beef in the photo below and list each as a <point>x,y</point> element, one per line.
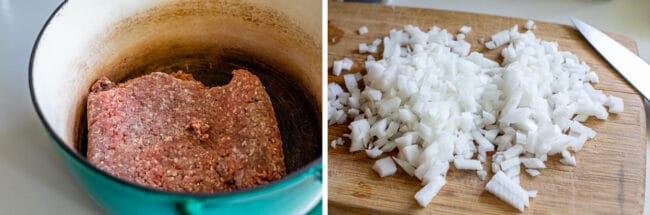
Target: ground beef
<point>170,132</point>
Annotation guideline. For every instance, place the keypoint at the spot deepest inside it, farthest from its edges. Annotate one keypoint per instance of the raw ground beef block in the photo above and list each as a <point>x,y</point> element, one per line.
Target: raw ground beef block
<point>171,132</point>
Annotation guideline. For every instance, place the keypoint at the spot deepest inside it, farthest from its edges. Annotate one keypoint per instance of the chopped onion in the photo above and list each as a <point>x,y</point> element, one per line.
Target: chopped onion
<point>533,163</point>
<point>491,45</point>
<point>533,172</point>
<point>363,48</point>
<point>567,159</point>
<point>496,167</point>
<point>385,167</point>
<point>360,134</point>
<point>426,194</point>
<point>467,164</point>
<point>507,190</point>
<point>615,104</point>
<point>501,38</point>
<point>482,174</point>
<point>411,154</point>
<point>465,29</point>
<point>373,153</point>
<point>530,25</point>
<point>338,141</point>
<point>405,166</point>
<point>435,170</point>
<point>511,162</point>
<point>435,102</point>
<point>460,36</point>
<point>513,152</point>
<point>513,171</point>
<point>340,65</point>
<point>363,30</point>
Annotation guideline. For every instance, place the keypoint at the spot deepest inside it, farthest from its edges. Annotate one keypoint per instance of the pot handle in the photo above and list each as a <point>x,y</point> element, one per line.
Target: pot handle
<point>190,207</point>
<point>194,207</point>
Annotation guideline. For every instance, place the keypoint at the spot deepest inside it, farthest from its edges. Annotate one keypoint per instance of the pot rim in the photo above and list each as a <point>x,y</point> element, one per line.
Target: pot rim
<point>291,178</point>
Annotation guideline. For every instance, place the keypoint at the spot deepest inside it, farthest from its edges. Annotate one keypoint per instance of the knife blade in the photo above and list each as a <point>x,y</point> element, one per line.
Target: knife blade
<point>627,64</point>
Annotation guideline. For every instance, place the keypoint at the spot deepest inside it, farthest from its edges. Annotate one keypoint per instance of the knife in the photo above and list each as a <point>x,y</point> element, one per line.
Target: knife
<point>629,65</point>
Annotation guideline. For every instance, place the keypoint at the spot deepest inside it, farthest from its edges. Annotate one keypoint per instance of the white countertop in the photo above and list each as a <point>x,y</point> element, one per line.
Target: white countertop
<point>34,180</point>
<point>627,17</point>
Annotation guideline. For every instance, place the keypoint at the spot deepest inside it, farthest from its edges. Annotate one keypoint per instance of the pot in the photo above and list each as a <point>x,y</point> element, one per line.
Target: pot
<point>279,41</point>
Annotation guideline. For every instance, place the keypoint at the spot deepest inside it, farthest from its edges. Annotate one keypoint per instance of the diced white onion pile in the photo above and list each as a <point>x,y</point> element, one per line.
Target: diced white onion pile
<point>435,102</point>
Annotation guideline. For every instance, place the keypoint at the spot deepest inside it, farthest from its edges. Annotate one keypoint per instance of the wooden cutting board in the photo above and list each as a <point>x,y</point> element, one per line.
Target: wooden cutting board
<point>609,177</point>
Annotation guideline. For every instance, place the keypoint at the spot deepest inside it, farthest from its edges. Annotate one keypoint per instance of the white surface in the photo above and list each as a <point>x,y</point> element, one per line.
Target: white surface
<point>33,179</point>
<point>627,17</point>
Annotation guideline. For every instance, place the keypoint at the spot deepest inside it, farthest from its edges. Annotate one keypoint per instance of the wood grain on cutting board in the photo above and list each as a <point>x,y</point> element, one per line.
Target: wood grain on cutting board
<point>609,177</point>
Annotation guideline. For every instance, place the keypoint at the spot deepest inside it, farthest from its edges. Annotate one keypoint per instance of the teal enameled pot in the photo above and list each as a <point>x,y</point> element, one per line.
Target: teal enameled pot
<point>279,41</point>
